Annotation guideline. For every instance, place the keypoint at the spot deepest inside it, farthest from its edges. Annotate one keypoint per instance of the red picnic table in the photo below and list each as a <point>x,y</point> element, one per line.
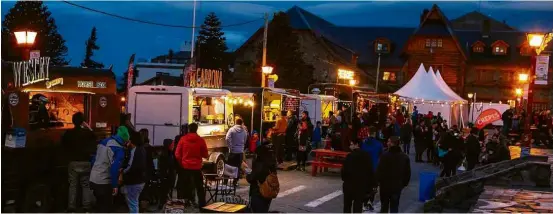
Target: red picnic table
<point>320,162</point>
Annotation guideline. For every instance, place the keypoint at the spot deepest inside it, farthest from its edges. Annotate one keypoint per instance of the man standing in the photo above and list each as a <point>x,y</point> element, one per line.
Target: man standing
<point>190,151</point>
<point>79,144</point>
<point>358,177</point>
<point>104,176</point>
<point>393,174</point>
<point>135,174</point>
<point>374,148</point>
<point>507,118</point>
<point>236,140</point>
<point>291,128</point>
<point>279,132</point>
<point>473,148</point>
<point>406,133</point>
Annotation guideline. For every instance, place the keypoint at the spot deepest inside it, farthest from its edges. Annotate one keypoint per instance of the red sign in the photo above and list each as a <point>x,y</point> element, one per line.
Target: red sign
<point>486,117</point>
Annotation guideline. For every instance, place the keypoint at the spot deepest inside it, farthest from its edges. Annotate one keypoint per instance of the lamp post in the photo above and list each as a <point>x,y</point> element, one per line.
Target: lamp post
<point>266,70</point>
<point>471,108</point>
<point>538,41</point>
<point>25,39</point>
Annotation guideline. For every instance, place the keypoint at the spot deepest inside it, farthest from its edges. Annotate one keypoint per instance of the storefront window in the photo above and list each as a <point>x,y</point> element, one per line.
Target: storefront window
<point>55,110</point>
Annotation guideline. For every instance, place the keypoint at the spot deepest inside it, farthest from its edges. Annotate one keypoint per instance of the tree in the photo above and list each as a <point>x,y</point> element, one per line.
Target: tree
<point>211,45</point>
<point>32,15</point>
<point>284,55</point>
<point>90,48</point>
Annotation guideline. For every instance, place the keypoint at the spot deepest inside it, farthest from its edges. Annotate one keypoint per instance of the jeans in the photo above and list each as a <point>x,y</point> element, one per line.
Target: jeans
<point>132,193</point>
<point>389,201</point>
<point>195,180</point>
<point>259,204</point>
<point>352,204</point>
<point>406,145</point>
<point>79,174</point>
<point>104,197</point>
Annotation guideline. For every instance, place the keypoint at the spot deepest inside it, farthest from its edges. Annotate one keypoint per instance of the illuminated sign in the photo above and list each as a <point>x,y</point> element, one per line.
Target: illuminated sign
<point>204,78</point>
<point>345,74</point>
<point>50,84</point>
<point>31,71</point>
<point>90,84</point>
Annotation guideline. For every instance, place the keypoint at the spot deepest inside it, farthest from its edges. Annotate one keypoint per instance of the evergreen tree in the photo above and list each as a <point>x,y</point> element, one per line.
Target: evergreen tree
<point>32,15</point>
<point>284,55</point>
<point>211,45</point>
<point>90,48</point>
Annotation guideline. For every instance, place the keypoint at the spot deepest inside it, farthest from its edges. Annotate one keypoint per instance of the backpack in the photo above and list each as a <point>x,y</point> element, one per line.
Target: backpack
<point>270,187</point>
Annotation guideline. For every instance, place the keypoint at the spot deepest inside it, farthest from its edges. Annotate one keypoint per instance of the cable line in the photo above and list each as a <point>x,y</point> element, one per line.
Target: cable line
<point>153,23</point>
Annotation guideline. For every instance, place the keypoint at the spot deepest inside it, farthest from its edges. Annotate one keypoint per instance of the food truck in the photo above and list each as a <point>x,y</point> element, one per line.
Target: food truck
<point>319,107</point>
<point>38,102</point>
<point>269,104</point>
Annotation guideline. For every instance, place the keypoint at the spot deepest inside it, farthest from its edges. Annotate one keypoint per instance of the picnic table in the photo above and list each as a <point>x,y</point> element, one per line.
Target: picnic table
<point>222,207</point>
<point>321,160</point>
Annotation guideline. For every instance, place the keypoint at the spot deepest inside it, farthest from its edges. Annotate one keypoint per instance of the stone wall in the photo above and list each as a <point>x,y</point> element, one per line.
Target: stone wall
<point>460,192</point>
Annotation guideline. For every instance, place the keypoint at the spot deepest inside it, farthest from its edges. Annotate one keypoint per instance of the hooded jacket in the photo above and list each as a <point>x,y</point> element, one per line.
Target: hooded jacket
<point>110,153</point>
<point>236,139</point>
<point>190,151</point>
<point>374,148</point>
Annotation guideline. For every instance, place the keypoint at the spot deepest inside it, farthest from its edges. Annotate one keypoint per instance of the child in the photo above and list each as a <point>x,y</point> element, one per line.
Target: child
<point>316,139</point>
<point>254,141</point>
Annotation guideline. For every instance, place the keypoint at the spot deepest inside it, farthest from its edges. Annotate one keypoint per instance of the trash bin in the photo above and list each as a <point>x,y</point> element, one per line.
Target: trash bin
<point>427,183</point>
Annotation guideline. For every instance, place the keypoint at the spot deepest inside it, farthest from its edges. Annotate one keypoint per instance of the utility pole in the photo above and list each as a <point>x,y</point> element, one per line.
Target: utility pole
<point>193,31</point>
<point>264,60</point>
<point>377,73</point>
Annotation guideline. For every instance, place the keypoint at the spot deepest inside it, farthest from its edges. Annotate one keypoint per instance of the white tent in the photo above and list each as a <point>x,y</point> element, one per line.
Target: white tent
<point>424,86</point>
<point>446,87</point>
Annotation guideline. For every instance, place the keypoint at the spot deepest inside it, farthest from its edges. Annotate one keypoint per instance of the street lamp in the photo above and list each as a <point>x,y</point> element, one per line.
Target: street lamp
<point>518,92</point>
<point>25,39</point>
<point>523,78</point>
<point>471,108</point>
<point>352,82</point>
<point>266,70</point>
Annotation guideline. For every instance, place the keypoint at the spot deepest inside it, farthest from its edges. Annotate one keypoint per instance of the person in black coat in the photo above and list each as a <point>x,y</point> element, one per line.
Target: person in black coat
<point>472,148</point>
<point>263,165</point>
<point>420,144</point>
<point>358,176</point>
<point>393,174</point>
<point>135,174</point>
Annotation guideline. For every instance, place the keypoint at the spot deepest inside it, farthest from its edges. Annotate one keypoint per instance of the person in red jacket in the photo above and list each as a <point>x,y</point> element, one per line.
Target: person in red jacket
<point>190,151</point>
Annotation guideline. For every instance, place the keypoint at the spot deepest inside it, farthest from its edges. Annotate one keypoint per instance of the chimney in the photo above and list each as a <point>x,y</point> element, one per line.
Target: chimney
<point>486,28</point>
<point>354,57</point>
<point>423,15</point>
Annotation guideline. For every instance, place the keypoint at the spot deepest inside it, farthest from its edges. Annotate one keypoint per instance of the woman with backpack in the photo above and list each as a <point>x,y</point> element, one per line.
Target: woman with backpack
<point>263,178</point>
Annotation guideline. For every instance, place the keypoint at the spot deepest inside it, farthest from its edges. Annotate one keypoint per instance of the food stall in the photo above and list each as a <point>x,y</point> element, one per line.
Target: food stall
<point>269,103</point>
<point>319,107</point>
<point>164,109</point>
<point>37,106</point>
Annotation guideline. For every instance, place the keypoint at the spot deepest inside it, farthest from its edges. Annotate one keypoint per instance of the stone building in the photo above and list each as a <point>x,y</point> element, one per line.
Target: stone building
<point>474,53</point>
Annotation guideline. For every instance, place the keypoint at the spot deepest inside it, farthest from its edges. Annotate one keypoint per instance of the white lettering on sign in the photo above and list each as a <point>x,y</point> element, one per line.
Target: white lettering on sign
<point>31,71</point>
<point>101,125</point>
<point>90,84</point>
<point>50,84</point>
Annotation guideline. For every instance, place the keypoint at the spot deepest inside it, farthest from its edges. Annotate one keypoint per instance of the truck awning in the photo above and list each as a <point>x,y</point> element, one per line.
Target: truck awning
<point>209,92</point>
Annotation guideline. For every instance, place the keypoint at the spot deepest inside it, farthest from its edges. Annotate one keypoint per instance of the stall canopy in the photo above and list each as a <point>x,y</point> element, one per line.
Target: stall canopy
<point>425,86</point>
<point>446,87</point>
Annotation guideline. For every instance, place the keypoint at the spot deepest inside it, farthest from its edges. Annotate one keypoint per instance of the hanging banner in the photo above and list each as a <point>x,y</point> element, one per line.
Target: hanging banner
<point>204,78</point>
<point>188,69</point>
<point>130,76</point>
<point>542,66</point>
<point>486,117</point>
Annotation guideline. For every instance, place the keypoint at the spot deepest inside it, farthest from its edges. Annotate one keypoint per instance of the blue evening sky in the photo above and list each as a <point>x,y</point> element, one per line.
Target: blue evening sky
<point>118,38</point>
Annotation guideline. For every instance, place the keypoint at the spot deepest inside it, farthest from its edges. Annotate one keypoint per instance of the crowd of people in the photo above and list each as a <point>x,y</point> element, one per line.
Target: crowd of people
<point>514,121</point>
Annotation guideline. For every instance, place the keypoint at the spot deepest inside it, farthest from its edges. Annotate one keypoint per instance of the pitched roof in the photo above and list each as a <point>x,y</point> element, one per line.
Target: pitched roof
<point>304,20</point>
<point>474,21</point>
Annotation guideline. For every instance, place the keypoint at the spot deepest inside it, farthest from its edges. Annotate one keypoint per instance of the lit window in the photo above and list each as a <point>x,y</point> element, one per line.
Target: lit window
<point>427,43</point>
<point>389,76</point>
<point>478,49</point>
<point>434,43</point>
<point>499,50</point>
<point>382,46</point>
<point>439,43</point>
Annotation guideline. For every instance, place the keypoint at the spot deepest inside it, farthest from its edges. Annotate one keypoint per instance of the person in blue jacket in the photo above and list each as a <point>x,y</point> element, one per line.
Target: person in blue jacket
<point>375,148</point>
<point>106,167</point>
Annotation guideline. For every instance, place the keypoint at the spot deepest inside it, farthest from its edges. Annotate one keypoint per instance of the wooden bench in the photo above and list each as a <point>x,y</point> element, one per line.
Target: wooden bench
<point>321,163</point>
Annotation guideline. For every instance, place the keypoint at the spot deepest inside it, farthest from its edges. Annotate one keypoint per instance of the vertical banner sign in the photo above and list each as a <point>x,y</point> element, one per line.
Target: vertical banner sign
<point>188,71</point>
<point>542,66</point>
<point>130,77</point>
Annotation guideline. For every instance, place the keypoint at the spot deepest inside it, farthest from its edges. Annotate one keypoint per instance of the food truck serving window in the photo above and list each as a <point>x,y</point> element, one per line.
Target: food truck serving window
<point>208,110</point>
<point>55,110</point>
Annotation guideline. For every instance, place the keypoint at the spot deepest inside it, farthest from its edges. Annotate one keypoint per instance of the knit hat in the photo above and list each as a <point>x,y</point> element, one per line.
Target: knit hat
<point>123,133</point>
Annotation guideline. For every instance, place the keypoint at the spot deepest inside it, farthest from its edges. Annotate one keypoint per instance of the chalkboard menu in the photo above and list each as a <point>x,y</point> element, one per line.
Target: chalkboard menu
<point>290,103</point>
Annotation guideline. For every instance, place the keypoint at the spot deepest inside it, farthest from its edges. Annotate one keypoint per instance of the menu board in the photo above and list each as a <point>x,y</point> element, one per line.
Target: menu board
<point>290,103</point>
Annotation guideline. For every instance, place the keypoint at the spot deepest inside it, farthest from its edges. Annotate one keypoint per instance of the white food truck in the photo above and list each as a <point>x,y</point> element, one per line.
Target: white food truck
<point>164,109</point>
<point>318,106</point>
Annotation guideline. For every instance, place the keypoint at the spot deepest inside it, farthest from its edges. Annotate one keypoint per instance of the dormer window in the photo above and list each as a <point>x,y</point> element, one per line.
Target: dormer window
<point>382,46</point>
<point>500,47</point>
<point>389,76</point>
<point>433,43</point>
<point>478,47</point>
